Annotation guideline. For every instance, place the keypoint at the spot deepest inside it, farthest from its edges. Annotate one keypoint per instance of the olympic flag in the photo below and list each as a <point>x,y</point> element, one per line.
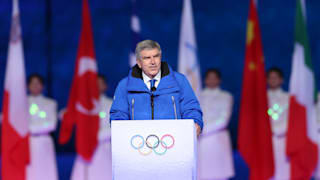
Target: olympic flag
<point>187,57</point>
<point>161,149</point>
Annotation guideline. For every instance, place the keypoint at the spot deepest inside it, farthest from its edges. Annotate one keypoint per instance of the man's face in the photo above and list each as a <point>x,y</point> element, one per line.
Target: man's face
<point>102,85</point>
<point>35,87</point>
<point>212,80</point>
<point>274,80</point>
<point>150,62</point>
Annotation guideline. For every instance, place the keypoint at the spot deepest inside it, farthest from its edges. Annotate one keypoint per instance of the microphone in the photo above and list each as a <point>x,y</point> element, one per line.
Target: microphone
<point>153,89</point>
<point>174,107</point>
<point>152,85</point>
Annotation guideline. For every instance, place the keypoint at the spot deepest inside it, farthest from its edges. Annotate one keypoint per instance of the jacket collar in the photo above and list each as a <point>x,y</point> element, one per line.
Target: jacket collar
<point>135,80</point>
<point>136,72</point>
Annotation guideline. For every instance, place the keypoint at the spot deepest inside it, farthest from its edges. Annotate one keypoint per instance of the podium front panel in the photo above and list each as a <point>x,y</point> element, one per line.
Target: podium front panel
<point>153,150</point>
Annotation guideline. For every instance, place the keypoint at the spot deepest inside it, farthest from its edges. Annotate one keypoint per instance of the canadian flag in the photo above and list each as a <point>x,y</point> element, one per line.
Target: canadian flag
<point>83,104</point>
<point>15,144</point>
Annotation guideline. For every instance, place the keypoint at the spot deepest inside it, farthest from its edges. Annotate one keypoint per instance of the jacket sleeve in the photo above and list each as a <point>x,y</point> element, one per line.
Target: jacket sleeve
<point>120,107</point>
<point>189,104</point>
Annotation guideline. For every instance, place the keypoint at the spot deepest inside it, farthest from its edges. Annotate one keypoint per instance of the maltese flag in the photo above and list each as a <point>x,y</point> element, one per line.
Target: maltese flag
<point>15,126</point>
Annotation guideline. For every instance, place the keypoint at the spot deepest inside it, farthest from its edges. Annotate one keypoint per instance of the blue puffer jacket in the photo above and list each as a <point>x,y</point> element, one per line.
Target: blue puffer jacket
<point>173,98</point>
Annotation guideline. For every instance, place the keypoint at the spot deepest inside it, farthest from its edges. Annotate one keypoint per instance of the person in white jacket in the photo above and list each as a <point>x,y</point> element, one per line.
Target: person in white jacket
<point>215,160</point>
<point>43,121</point>
<point>278,115</point>
<point>100,167</point>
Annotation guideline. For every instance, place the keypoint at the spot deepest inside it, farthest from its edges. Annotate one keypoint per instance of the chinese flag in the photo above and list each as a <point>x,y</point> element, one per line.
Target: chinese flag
<point>255,137</point>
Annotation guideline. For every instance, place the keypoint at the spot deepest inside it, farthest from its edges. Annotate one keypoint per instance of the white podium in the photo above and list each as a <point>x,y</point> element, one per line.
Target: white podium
<point>153,150</point>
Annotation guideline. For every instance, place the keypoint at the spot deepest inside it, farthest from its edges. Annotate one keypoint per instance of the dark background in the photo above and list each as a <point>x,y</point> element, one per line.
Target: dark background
<point>51,32</point>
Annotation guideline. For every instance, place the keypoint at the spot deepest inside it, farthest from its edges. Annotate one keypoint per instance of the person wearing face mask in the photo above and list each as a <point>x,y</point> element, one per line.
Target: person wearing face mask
<point>100,167</point>
<point>43,121</point>
<point>152,90</point>
<point>278,114</point>
<point>215,151</point>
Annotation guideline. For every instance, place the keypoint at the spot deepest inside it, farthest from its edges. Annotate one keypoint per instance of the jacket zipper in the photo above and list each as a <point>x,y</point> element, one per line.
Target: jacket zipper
<point>152,106</point>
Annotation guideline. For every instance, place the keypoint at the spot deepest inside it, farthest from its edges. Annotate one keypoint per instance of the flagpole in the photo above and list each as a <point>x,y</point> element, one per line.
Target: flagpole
<point>49,58</point>
<point>86,171</point>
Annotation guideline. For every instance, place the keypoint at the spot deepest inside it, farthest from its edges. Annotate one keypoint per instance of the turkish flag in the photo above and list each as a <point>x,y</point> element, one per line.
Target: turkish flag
<point>83,104</point>
<point>254,133</point>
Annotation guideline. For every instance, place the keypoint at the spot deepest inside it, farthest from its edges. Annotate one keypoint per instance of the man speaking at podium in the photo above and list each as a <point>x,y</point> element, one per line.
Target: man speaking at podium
<point>152,90</point>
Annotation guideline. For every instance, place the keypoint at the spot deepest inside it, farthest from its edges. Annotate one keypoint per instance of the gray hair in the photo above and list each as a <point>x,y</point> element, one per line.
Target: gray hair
<point>146,44</point>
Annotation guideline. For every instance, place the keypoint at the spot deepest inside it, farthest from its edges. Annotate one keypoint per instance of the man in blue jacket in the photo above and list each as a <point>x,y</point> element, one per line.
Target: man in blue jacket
<point>152,90</point>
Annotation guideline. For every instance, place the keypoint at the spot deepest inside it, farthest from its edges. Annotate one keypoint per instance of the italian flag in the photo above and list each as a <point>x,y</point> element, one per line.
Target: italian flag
<point>302,135</point>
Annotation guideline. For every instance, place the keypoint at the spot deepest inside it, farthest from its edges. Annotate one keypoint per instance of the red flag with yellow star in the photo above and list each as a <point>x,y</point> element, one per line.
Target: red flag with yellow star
<point>254,133</point>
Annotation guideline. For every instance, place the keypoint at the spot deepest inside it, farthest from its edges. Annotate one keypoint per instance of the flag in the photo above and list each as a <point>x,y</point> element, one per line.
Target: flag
<point>135,33</point>
<point>187,58</point>
<point>83,104</point>
<point>15,127</point>
<point>254,133</point>
<point>302,133</point>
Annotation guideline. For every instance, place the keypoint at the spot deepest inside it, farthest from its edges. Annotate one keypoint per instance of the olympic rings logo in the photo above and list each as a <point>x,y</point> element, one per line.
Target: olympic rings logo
<point>153,143</point>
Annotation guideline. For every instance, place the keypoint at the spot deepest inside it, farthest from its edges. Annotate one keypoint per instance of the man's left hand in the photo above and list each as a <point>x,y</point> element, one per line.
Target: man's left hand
<point>198,128</point>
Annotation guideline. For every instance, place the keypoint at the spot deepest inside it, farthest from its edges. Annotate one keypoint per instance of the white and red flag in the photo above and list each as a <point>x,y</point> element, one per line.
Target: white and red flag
<point>15,126</point>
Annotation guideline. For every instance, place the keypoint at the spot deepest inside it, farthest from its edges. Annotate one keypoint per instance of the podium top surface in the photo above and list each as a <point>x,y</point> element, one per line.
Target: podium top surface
<point>155,121</point>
